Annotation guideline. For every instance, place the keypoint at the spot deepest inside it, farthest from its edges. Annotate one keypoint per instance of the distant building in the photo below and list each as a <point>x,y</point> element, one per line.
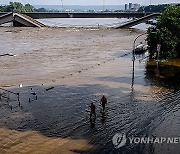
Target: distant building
<point>126,7</point>
<point>133,7</point>
<point>136,7</point>
<point>130,6</point>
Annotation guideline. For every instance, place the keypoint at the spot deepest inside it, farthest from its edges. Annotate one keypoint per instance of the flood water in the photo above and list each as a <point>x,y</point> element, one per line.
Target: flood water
<point>90,22</point>
<point>149,108</point>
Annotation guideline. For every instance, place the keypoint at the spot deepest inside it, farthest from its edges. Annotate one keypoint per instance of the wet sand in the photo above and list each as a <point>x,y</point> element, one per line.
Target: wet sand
<point>33,142</point>
<point>80,65</point>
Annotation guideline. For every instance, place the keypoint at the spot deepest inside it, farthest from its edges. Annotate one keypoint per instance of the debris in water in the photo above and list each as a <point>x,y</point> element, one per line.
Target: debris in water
<point>7,54</point>
<point>49,88</point>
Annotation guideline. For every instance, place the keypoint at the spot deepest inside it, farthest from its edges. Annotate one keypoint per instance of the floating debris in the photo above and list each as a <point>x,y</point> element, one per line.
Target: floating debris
<point>7,54</point>
<point>33,93</point>
<point>49,88</point>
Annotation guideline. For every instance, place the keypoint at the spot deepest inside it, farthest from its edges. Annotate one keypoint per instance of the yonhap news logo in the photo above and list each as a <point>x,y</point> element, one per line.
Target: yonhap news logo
<point>120,139</point>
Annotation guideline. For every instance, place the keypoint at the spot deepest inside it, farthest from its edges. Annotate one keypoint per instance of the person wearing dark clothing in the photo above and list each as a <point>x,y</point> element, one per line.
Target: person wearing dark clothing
<point>93,110</point>
<point>103,102</point>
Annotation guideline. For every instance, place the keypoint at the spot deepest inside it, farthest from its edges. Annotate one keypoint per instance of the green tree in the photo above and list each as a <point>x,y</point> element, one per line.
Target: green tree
<point>41,10</point>
<point>2,8</point>
<point>17,7</point>
<point>29,8</point>
<point>166,33</point>
<point>152,8</point>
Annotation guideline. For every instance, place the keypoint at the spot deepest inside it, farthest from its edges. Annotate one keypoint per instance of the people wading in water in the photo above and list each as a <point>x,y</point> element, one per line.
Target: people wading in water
<point>103,102</point>
<point>93,110</point>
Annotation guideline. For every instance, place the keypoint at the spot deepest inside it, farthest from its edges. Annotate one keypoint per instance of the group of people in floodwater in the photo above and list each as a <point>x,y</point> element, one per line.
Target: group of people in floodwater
<point>93,107</point>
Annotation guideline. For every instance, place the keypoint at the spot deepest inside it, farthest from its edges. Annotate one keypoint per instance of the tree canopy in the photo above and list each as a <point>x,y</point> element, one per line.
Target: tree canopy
<point>153,8</point>
<point>17,7</point>
<point>166,33</point>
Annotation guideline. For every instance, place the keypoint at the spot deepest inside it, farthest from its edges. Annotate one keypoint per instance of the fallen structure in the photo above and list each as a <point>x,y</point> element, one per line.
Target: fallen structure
<point>28,19</point>
<point>19,20</point>
<point>138,21</point>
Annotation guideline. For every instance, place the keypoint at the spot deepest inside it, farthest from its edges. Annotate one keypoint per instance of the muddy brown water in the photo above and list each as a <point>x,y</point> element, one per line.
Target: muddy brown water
<point>81,65</point>
<point>150,108</point>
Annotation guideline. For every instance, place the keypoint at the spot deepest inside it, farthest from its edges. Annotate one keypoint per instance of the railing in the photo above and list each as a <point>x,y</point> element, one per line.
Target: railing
<point>6,94</point>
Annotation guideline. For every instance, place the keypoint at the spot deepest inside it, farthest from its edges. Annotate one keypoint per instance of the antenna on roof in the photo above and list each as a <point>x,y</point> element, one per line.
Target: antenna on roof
<point>62,4</point>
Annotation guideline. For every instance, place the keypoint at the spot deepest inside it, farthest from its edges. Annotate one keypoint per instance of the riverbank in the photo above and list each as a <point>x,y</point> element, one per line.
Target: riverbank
<point>170,62</point>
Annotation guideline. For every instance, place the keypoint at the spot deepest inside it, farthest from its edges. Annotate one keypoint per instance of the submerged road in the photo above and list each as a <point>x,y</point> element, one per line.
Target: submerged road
<point>82,65</point>
<point>144,110</point>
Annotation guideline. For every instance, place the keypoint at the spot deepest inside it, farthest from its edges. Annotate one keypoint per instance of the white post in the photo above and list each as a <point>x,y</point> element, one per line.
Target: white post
<point>158,51</point>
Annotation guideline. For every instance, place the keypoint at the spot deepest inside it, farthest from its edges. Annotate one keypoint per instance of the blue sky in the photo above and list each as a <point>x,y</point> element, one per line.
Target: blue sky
<point>89,2</point>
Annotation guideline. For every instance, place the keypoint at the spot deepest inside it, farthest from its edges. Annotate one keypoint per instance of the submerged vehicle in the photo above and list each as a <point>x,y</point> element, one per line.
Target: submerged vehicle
<point>141,48</point>
<point>152,22</point>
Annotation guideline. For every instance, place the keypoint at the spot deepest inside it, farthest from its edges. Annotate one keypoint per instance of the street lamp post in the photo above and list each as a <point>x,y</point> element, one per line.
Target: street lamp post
<point>133,57</point>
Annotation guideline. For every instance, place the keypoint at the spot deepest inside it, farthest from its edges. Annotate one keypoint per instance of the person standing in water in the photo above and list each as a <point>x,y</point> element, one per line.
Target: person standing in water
<point>103,102</point>
<point>93,110</point>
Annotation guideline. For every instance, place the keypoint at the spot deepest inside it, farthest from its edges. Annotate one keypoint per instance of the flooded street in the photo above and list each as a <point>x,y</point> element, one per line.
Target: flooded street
<point>57,121</point>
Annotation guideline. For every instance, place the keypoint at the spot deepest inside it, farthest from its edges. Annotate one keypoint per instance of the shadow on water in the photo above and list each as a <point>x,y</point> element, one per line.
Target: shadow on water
<point>148,115</point>
<point>166,76</point>
<point>127,80</point>
<point>63,111</point>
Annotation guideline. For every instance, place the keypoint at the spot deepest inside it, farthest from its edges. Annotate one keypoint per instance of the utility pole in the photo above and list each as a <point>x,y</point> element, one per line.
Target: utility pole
<point>62,4</point>
<point>150,5</point>
<point>103,4</point>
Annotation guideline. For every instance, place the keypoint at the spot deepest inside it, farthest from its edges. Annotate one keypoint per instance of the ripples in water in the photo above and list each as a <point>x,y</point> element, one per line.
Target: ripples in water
<point>62,112</point>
